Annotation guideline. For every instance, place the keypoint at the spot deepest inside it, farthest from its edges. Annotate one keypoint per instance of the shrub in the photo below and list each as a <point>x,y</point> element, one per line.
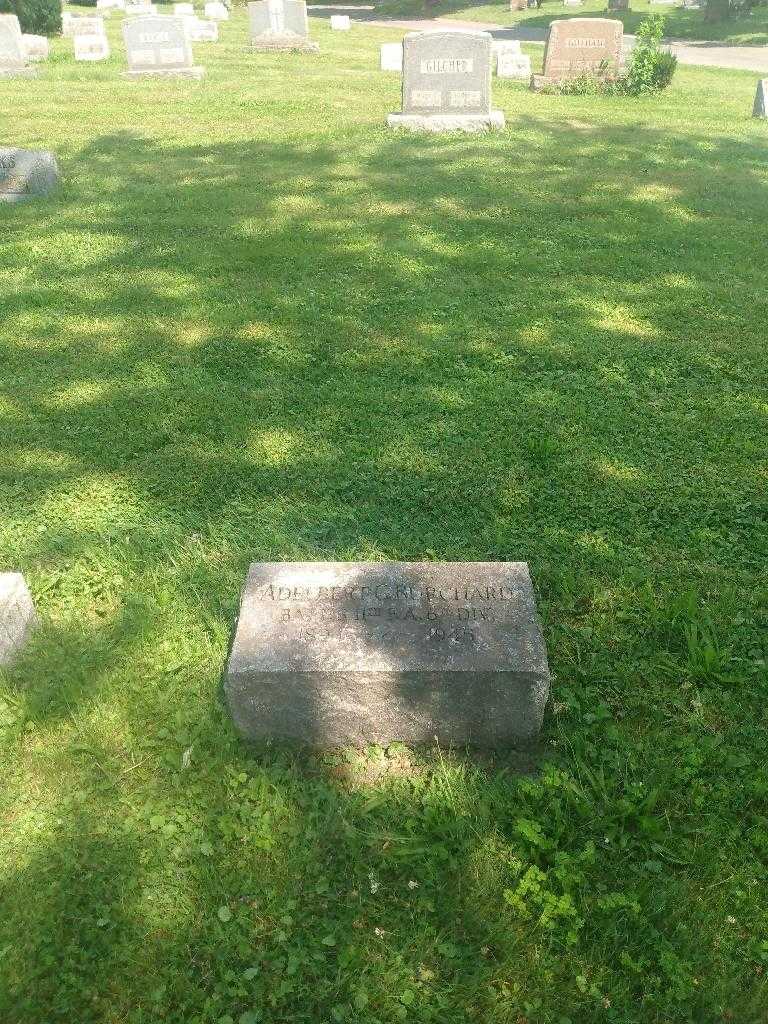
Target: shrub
<point>651,68</point>
<point>38,17</point>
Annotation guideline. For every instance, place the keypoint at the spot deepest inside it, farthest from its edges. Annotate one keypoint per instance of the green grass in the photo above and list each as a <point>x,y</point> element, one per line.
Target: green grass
<point>745,29</point>
<point>254,324</point>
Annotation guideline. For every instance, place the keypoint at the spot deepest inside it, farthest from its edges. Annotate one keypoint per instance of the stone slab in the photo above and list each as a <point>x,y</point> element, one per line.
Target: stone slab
<point>26,174</point>
<point>158,45</point>
<point>17,615</point>
<point>340,653</point>
<point>340,23</point>
<point>492,121</point>
<point>580,46</point>
<point>36,47</point>
<point>391,57</point>
<point>760,108</point>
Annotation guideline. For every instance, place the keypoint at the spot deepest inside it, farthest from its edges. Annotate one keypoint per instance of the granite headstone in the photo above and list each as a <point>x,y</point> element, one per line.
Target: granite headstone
<point>336,653</point>
<point>447,83</point>
<point>26,174</point>
<point>511,62</point>
<point>216,11</point>
<point>340,22</point>
<point>13,56</point>
<point>159,45</point>
<point>391,57</point>
<point>36,47</point>
<point>280,25</point>
<point>581,46</point>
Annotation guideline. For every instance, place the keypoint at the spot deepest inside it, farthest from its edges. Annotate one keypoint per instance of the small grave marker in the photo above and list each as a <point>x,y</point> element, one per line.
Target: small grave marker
<point>340,22</point>
<point>511,62</point>
<point>17,615</point>
<point>391,57</point>
<point>357,652</point>
<point>90,40</point>
<point>36,47</point>
<point>280,25</point>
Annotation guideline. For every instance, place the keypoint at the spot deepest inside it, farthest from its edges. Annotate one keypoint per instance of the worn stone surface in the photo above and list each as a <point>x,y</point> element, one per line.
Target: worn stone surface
<point>138,8</point>
<point>91,46</point>
<point>579,46</point>
<point>93,26</point>
<point>159,45</point>
<point>447,83</point>
<point>36,47</point>
<point>511,62</point>
<point>216,11</point>
<point>280,25</point>
<point>13,56</point>
<point>335,653</point>
<point>340,22</point>
<point>26,174</point>
<point>391,56</point>
<point>618,5</point>
<point>17,615</point>
<point>760,109</point>
<point>201,30</point>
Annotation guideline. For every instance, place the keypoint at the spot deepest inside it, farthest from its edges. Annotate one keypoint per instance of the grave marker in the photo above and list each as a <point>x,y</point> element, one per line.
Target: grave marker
<point>216,11</point>
<point>90,40</point>
<point>618,5</point>
<point>336,653</point>
<point>391,57</point>
<point>760,109</point>
<point>340,22</point>
<point>17,615</point>
<point>511,62</point>
<point>447,83</point>
<point>26,173</point>
<point>201,31</point>
<point>280,25</point>
<point>36,47</point>
<point>159,45</point>
<point>581,46</point>
<point>181,9</point>
<point>138,8</point>
<point>13,56</point>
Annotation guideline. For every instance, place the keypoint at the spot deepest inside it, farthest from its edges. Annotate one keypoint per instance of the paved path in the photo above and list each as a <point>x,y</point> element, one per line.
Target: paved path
<point>702,54</point>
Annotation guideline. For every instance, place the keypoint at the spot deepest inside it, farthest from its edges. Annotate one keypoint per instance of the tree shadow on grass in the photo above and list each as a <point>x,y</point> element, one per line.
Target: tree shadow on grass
<point>423,348</point>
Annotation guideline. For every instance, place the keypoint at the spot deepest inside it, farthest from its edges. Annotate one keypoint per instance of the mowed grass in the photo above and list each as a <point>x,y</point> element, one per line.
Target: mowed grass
<point>255,324</point>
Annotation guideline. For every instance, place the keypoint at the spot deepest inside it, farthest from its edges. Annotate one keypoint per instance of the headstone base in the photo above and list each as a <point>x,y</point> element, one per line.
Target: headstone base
<point>17,615</point>
<point>448,122</point>
<point>196,73</point>
<point>542,81</point>
<point>273,44</point>
<point>19,72</point>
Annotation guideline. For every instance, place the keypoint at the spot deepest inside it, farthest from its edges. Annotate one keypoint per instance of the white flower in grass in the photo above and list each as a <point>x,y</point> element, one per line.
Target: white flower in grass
<point>373,882</point>
<point>413,885</point>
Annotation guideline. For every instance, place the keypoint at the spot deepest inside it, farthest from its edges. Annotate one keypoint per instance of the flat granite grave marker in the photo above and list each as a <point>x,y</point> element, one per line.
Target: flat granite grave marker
<point>581,46</point>
<point>336,653</point>
<point>17,615</point>
<point>391,56</point>
<point>280,25</point>
<point>760,108</point>
<point>13,56</point>
<point>447,83</point>
<point>159,45</point>
<point>26,174</point>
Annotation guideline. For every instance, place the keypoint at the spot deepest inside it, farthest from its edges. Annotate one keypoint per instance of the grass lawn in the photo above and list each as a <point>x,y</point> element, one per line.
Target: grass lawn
<point>254,324</point>
<point>748,29</point>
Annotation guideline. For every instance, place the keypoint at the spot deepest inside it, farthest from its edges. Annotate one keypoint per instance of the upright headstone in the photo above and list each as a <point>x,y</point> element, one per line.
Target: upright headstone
<point>36,47</point>
<point>511,62</point>
<point>26,174</point>
<point>618,5</point>
<point>581,46</point>
<point>90,41</point>
<point>159,45</point>
<point>180,9</point>
<point>447,83</point>
<point>280,25</point>
<point>340,22</point>
<point>518,5</point>
<point>139,8</point>
<point>760,109</point>
<point>340,653</point>
<point>216,11</point>
<point>391,57</point>
<point>200,30</point>
<point>13,56</point>
<point>17,615</point>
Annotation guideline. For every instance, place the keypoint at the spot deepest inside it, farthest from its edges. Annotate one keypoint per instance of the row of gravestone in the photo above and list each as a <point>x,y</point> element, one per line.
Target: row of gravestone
<point>339,653</point>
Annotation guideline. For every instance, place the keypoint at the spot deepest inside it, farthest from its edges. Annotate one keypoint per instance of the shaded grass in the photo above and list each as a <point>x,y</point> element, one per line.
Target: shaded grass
<point>254,324</point>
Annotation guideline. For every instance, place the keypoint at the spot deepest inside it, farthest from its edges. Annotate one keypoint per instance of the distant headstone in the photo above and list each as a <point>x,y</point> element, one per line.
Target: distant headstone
<point>36,47</point>
<point>200,30</point>
<point>618,5</point>
<point>518,5</point>
<point>760,109</point>
<point>280,25</point>
<point>391,56</point>
<point>511,62</point>
<point>17,615</point>
<point>340,22</point>
<point>26,174</point>
<point>180,9</point>
<point>216,11</point>
<point>339,653</point>
<point>159,45</point>
<point>447,83</point>
<point>138,8</point>
<point>581,46</point>
<point>13,56</point>
<point>90,41</point>
<point>573,3</point>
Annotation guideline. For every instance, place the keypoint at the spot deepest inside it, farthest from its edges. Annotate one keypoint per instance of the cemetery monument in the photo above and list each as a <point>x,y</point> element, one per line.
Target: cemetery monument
<point>90,39</point>
<point>280,25</point>
<point>159,45</point>
<point>581,46</point>
<point>13,56</point>
<point>511,62</point>
<point>391,57</point>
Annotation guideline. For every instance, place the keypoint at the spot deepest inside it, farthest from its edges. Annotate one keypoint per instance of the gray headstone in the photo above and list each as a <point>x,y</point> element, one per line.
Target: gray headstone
<point>760,109</point>
<point>336,653</point>
<point>26,174</point>
<point>280,25</point>
<point>36,47</point>
<point>447,82</point>
<point>13,56</point>
<point>17,615</point>
<point>159,44</point>
<point>89,26</point>
<point>618,5</point>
